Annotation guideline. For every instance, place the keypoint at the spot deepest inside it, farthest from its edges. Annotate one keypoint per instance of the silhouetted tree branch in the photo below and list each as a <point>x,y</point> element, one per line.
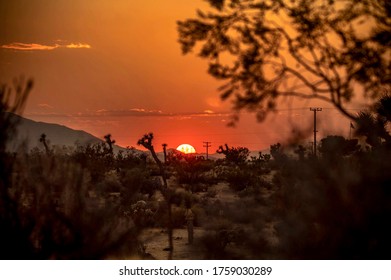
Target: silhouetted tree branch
<point>265,50</point>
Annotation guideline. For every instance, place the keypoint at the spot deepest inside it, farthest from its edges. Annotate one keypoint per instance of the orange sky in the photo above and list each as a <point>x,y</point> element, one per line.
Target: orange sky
<point>115,67</point>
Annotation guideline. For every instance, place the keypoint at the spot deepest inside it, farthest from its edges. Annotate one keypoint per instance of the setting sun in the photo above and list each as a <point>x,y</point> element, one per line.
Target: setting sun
<point>186,149</point>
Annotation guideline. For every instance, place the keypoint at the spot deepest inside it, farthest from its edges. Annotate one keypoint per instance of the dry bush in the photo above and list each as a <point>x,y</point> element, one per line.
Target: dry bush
<point>64,219</point>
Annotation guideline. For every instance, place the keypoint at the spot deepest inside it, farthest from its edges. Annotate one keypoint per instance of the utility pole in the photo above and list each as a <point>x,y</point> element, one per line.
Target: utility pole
<point>311,145</point>
<point>315,131</point>
<point>207,145</point>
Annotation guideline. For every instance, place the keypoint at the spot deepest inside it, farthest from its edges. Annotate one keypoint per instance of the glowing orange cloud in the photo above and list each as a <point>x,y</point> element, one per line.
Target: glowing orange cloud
<point>40,47</point>
<point>29,47</point>
<point>78,46</point>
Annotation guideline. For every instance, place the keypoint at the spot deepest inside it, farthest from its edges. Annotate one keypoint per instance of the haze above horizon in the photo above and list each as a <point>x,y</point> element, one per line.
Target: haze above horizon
<point>117,68</point>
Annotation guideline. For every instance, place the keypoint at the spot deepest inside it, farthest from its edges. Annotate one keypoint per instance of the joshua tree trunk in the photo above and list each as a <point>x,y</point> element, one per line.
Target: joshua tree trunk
<point>146,142</point>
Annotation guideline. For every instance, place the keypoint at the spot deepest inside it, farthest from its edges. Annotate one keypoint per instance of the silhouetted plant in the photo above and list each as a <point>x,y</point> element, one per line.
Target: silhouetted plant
<point>109,143</point>
<point>191,170</point>
<point>333,209</point>
<point>138,180</point>
<point>49,206</point>
<point>335,206</point>
<point>96,158</point>
<point>235,155</point>
<point>12,101</point>
<point>146,142</point>
<point>333,147</point>
<point>164,145</point>
<point>66,221</point>
<point>262,158</point>
<point>373,125</point>
<point>383,107</point>
<point>14,234</point>
<point>300,151</point>
<point>278,154</point>
<point>130,158</point>
<point>307,49</point>
<point>44,141</point>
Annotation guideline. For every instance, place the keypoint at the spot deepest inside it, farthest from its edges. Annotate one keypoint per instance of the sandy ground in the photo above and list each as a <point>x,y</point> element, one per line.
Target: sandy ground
<point>156,241</point>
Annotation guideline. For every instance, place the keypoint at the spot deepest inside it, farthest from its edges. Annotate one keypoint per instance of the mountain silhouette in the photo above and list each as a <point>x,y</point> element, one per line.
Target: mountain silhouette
<point>28,133</point>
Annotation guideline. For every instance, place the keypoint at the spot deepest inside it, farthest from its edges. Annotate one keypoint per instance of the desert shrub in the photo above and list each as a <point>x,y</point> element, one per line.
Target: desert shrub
<point>63,221</point>
<point>160,217</point>
<point>334,210</point>
<point>211,193</point>
<point>130,158</point>
<point>110,183</point>
<point>213,242</point>
<point>95,158</point>
<point>261,163</point>
<point>142,213</point>
<point>199,215</point>
<point>234,155</point>
<point>138,180</point>
<point>223,240</point>
<point>239,180</point>
<point>193,171</point>
<point>178,217</point>
<point>257,189</point>
<point>240,215</point>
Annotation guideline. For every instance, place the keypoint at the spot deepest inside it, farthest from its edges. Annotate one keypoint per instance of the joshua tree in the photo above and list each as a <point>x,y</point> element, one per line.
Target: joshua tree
<point>43,140</point>
<point>146,142</point>
<point>109,142</point>
<point>236,155</point>
<point>165,152</point>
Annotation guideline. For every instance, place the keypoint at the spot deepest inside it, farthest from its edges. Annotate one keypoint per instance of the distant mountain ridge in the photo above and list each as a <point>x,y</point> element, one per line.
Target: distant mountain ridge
<point>28,133</point>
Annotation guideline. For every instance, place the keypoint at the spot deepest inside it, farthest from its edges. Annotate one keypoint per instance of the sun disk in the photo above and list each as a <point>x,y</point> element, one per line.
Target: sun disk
<point>186,149</point>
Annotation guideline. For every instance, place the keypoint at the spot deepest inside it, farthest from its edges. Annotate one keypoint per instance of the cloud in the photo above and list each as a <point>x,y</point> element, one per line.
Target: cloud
<point>137,110</point>
<point>134,112</point>
<point>29,47</point>
<point>45,106</point>
<point>142,112</point>
<point>78,46</point>
<point>17,46</point>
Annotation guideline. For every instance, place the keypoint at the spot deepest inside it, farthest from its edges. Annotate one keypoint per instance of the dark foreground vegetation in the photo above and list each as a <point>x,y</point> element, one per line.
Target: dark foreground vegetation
<point>86,202</point>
